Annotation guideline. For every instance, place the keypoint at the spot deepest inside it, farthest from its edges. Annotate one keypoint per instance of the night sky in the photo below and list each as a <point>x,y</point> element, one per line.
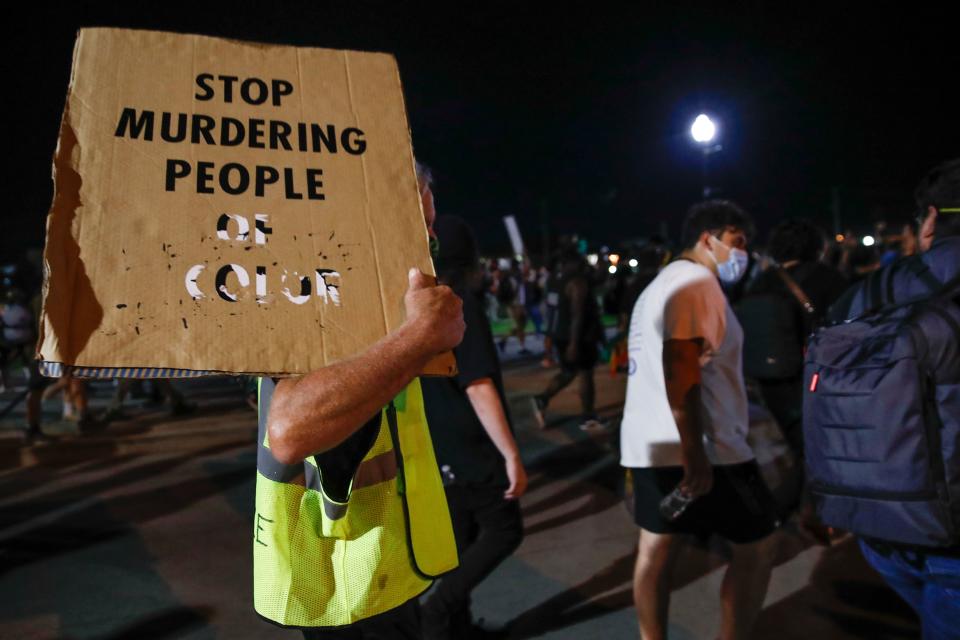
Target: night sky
<point>579,119</point>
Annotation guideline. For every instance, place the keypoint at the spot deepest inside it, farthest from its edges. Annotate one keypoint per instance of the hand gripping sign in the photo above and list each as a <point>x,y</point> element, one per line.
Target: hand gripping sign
<point>223,206</point>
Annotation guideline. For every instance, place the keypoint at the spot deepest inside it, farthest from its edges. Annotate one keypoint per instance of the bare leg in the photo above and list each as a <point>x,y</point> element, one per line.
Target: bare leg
<point>656,557</point>
<point>745,586</point>
<point>518,315</point>
<point>56,387</point>
<point>78,394</point>
<point>557,383</point>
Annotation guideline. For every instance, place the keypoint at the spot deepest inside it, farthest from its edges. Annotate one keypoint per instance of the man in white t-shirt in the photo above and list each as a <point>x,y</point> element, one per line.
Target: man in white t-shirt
<point>685,424</point>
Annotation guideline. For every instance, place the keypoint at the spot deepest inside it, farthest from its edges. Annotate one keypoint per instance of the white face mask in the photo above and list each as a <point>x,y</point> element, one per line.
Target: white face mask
<point>734,267</point>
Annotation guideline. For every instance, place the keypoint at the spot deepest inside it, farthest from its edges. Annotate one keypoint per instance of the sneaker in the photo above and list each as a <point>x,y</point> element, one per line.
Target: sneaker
<point>539,410</point>
<point>593,424</point>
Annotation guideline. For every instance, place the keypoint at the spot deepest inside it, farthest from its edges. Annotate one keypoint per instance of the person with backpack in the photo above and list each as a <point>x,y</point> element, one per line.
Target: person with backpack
<point>882,413</point>
<point>781,308</point>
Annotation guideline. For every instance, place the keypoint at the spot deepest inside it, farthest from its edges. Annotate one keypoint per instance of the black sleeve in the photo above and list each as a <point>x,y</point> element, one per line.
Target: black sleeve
<point>339,464</point>
<point>476,355</point>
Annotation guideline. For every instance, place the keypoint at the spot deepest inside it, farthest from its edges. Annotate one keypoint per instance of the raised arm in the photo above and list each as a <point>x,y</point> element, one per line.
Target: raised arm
<point>318,411</point>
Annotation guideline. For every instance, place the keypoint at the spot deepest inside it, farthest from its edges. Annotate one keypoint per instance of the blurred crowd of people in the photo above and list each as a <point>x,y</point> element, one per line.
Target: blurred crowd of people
<point>699,327</point>
<point>706,326</point>
<point>20,307</point>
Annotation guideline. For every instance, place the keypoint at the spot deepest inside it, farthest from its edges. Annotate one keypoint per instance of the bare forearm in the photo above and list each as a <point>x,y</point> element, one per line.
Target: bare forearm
<point>686,413</point>
<point>486,404</point>
<point>320,410</point>
<point>681,372</point>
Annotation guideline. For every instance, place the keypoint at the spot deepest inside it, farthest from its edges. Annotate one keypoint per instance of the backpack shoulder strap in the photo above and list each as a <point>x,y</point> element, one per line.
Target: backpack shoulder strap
<point>796,290</point>
<point>948,289</point>
<point>921,270</point>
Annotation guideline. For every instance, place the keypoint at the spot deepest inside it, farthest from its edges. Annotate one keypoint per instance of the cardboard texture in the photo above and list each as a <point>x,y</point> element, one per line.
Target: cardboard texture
<point>223,206</point>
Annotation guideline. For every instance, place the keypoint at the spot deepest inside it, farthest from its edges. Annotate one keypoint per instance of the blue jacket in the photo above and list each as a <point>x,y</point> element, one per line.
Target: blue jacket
<point>903,279</point>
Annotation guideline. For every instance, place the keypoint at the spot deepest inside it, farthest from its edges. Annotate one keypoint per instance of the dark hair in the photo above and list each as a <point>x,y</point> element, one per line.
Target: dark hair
<point>424,174</point>
<point>713,216</point>
<point>940,189</point>
<point>569,258</point>
<point>459,256</point>
<point>796,239</point>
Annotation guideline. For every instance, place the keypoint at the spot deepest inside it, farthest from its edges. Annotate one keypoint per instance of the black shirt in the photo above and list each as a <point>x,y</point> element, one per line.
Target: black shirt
<point>459,439</point>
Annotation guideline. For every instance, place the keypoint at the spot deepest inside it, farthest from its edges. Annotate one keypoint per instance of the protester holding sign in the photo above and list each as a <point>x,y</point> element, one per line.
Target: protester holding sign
<point>352,561</point>
<point>228,207</point>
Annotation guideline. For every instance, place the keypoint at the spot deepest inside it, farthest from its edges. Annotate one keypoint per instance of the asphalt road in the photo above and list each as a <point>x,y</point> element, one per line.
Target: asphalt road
<point>144,531</point>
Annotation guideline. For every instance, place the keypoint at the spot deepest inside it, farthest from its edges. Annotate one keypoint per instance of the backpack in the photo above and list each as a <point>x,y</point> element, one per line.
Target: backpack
<point>881,421</point>
<point>773,328</point>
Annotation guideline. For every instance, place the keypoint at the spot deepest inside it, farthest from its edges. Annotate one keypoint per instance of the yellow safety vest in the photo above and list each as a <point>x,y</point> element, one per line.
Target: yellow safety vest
<point>323,563</point>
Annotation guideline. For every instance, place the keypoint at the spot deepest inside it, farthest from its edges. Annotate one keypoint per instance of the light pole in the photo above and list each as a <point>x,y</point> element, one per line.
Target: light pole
<point>704,133</point>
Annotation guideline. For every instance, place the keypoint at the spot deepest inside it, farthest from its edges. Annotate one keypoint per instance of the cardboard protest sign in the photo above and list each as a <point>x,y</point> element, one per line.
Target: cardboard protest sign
<point>223,206</point>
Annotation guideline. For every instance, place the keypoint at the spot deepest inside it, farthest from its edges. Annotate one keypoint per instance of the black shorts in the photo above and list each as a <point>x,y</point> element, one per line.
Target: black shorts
<point>739,508</point>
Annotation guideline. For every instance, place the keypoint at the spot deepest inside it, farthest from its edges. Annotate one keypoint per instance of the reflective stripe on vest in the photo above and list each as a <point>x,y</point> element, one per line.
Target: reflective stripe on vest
<point>322,562</point>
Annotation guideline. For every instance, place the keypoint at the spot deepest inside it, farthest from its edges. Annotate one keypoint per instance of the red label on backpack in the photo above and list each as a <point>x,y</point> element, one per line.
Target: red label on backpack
<point>813,382</point>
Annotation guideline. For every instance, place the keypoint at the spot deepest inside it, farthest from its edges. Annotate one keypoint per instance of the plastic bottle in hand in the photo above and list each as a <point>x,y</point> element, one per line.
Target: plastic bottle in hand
<point>676,502</point>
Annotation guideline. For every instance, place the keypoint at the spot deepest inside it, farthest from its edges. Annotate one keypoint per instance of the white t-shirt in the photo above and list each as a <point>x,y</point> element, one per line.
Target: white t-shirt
<point>684,301</point>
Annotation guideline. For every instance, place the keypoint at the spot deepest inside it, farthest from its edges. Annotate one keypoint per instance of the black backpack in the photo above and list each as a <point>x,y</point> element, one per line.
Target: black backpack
<point>774,324</point>
<point>881,421</point>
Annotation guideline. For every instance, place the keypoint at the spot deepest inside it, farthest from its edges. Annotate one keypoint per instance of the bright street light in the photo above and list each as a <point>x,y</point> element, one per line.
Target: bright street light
<point>703,130</point>
<point>704,133</point>
<point>868,241</point>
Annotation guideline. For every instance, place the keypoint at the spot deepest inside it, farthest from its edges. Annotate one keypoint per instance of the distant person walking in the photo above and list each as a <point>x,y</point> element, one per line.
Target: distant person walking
<point>576,334</point>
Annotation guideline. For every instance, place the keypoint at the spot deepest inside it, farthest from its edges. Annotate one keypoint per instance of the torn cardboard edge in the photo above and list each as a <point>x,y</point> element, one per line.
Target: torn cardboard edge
<point>443,365</point>
<point>67,263</point>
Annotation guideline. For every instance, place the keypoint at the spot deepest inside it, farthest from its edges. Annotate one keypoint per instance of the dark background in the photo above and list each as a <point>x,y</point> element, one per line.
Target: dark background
<point>577,120</point>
